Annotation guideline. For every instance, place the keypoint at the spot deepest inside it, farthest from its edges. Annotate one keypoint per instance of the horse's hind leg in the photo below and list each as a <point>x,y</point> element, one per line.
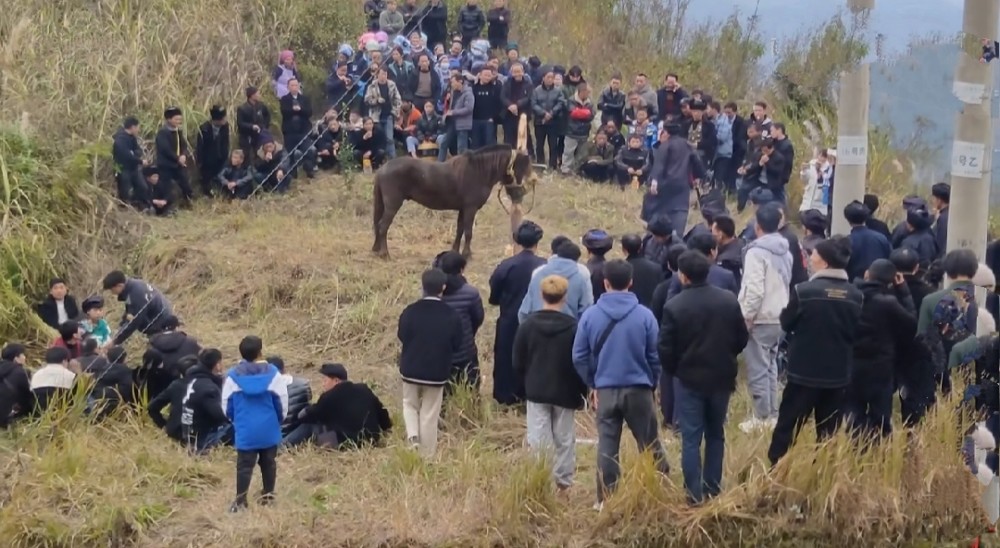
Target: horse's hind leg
<point>459,227</point>
<point>468,219</point>
<point>381,247</point>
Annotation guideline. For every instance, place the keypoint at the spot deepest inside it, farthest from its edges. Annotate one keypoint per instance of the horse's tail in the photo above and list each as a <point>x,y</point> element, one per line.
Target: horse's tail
<point>378,205</point>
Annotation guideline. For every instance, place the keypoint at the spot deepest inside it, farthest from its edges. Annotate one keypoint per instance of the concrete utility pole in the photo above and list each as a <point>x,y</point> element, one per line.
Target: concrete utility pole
<point>972,153</point>
<point>852,133</point>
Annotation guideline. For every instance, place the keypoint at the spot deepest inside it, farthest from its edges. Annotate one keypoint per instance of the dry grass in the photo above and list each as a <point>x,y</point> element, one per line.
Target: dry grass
<point>298,271</point>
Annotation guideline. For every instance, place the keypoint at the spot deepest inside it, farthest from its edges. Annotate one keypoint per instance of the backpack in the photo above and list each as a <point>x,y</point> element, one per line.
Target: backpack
<point>952,315</point>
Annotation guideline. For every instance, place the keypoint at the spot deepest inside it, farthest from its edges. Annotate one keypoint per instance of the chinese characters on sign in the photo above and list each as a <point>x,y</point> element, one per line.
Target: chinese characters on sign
<point>852,150</point>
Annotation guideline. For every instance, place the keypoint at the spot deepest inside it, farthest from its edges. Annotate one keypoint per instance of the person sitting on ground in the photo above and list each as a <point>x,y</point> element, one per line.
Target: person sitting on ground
<point>701,337</point>
<point>212,148</point>
<point>256,401</point>
<point>114,386</point>
<point>866,244</point>
<point>543,359</point>
<point>173,344</point>
<point>236,179</point>
<point>597,243</point>
<point>430,333</point>
<point>299,395</point>
<point>161,196</point>
<point>871,202</point>
<point>717,276</point>
<point>273,165</point>
<point>70,337</point>
<point>615,137</point>
<point>596,159</point>
<point>93,322</point>
<point>430,129</point>
<point>465,300</point>
<point>59,306</point>
<point>329,143</point>
<point>729,248</point>
<point>196,418</point>
<point>16,399</point>
<point>55,382</point>
<point>347,415</point>
<point>920,237</point>
<point>632,162</point>
<point>91,360</point>
<point>646,274</point>
<point>172,395</point>
<point>145,306</point>
<point>563,263</point>
<point>369,144</point>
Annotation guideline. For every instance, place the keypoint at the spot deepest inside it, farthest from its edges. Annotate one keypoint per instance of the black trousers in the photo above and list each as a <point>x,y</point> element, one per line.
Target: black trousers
<point>132,188</point>
<point>546,134</point>
<point>797,403</point>
<point>177,175</point>
<point>869,404</point>
<point>245,463</point>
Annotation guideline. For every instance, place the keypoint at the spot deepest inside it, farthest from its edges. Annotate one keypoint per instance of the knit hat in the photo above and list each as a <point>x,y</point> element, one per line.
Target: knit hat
<point>919,218</point>
<point>598,241</point>
<point>660,225</point>
<point>333,371</point>
<point>528,234</point>
<point>836,252</point>
<point>871,202</point>
<point>512,46</point>
<point>170,112</point>
<point>760,196</point>
<point>265,138</point>
<point>372,45</point>
<point>941,191</point>
<point>813,220</point>
<point>697,104</point>
<point>345,50</point>
<point>170,322</point>
<point>381,37</point>
<point>984,277</point>
<point>251,91</point>
<point>217,113</point>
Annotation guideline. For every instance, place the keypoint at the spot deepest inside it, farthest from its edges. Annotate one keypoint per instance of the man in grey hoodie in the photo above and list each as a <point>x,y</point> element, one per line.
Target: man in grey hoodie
<point>767,273</point>
<point>564,263</point>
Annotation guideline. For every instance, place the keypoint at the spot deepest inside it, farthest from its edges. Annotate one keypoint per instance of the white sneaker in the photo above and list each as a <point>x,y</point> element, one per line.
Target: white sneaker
<point>753,424</point>
<point>598,506</point>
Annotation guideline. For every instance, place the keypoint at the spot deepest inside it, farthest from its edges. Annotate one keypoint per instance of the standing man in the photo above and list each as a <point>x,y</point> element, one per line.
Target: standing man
<point>252,118</point>
<point>487,108</point>
<point>515,97</point>
<point>127,154</point>
<point>460,116</point>
<point>675,164</point>
<point>783,146</point>
<point>499,20</point>
<point>622,378</point>
<point>172,153</point>
<point>646,274</point>
<point>434,22</point>
<point>471,21</point>
<point>941,199</point>
<point>723,164</point>
<point>701,336</point>
<point>822,319</point>
<point>385,105</point>
<point>212,148</point>
<point>581,114</point>
<point>508,285</point>
<point>296,112</point>
<point>866,244</point>
<point>146,309</point>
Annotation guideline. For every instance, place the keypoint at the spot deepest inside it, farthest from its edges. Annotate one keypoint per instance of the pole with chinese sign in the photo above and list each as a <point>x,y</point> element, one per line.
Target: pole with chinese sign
<point>971,156</point>
<point>852,134</point>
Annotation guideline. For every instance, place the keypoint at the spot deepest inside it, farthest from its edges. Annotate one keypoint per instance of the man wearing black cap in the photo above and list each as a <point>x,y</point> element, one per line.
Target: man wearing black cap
<point>899,231</point>
<point>172,153</point>
<point>598,243</point>
<point>161,196</point>
<point>866,244</point>
<point>252,118</point>
<point>212,149</point>
<point>821,321</point>
<point>878,225</point>
<point>658,239</point>
<point>128,157</point>
<point>702,134</point>
<point>941,198</point>
<point>508,284</point>
<point>646,274</point>
<point>347,414</point>
<point>920,237</point>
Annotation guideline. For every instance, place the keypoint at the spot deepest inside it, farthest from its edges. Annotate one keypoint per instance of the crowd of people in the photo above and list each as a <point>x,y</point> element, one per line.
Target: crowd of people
<point>828,326</point>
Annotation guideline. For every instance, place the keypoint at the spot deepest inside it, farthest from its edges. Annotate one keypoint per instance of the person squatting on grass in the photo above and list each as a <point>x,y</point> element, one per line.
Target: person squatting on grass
<point>543,359</point>
<point>255,399</point>
<point>621,366</point>
<point>431,333</point>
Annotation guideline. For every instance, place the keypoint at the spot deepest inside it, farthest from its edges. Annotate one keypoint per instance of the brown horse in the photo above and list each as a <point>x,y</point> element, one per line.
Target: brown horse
<point>463,183</point>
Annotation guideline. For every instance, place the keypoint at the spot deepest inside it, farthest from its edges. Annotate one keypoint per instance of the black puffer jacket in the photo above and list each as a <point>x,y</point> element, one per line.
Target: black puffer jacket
<point>466,302</point>
<point>887,326</point>
<point>16,399</point>
<point>543,358</point>
<point>172,346</point>
<point>299,397</point>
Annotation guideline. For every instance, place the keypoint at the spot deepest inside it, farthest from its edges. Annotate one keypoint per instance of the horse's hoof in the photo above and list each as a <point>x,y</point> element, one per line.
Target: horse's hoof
<point>382,254</point>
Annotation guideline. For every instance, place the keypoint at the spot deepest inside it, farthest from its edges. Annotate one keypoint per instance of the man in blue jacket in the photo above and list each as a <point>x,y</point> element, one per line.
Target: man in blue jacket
<point>255,399</point>
<point>866,245</point>
<point>622,382</point>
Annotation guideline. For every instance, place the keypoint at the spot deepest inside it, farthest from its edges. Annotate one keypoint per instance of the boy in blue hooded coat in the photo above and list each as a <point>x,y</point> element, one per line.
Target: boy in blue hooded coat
<point>255,399</point>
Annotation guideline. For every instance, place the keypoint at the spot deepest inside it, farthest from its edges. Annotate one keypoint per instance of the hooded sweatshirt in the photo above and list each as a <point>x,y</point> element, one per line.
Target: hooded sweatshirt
<point>543,358</point>
<point>579,296</point>
<point>629,357</point>
<point>767,273</point>
<point>255,399</point>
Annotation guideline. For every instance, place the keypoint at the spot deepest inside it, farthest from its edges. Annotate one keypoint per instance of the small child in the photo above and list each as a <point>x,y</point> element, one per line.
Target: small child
<point>93,323</point>
<point>160,196</point>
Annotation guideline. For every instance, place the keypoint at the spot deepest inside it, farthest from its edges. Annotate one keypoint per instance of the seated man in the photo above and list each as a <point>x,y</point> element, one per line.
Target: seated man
<point>328,144</point>
<point>16,399</point>
<point>406,125</point>
<point>70,338</point>
<point>347,414</point>
<point>161,197</point>
<point>59,306</point>
<point>632,162</point>
<point>430,130</point>
<point>273,166</point>
<point>236,180</point>
<point>55,381</point>
<point>196,418</point>
<point>369,144</point>
<point>596,159</point>
<point>113,387</point>
<point>299,395</point>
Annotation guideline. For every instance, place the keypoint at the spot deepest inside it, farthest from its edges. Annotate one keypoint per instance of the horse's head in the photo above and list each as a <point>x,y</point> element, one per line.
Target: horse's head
<point>519,171</point>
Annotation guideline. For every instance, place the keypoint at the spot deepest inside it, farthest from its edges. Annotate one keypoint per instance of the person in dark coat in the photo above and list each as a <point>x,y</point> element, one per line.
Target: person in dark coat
<point>114,386</point>
<point>128,157</point>
<point>717,276</point>
<point>172,153</point>
<point>675,165</point>
<point>296,127</point>
<point>508,284</point>
<point>464,299</point>
<point>598,243</point>
<point>907,263</point>
<point>888,323</point>
<point>515,98</point>
<point>646,274</point>
<point>299,395</point>
<point>899,231</point>
<point>729,248</point>
<point>434,22</point>
<point>660,237</point>
<point>920,237</point>
<point>871,202</point>
<point>821,321</point>
<point>252,119</point>
<point>663,288</point>
<point>701,336</point>
<point>212,148</point>
<point>196,418</point>
<point>145,307</point>
<point>543,360</point>
<point>16,399</point>
<point>172,345</point>
<point>866,244</point>
<point>471,21</point>
<point>59,306</point>
<point>800,273</point>
<point>941,194</point>
<point>499,25</point>
<point>347,414</point>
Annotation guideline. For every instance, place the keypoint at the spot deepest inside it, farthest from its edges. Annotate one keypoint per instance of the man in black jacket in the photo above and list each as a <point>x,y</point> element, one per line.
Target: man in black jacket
<point>729,248</point>
<point>196,418</point>
<point>783,146</point>
<point>172,153</point>
<point>299,395</point>
<point>919,237</point>
<point>499,21</point>
<point>799,271</point>
<point>145,307</point>
<point>252,118</point>
<point>701,335</point>
<point>465,300</point>
<point>515,98</point>
<point>212,148</point>
<point>347,415</point>
<point>888,324</point>
<point>486,109</point>
<point>127,154</point>
<point>471,21</point>
<point>543,358</point>
<point>871,201</point>
<point>646,274</point>
<point>430,332</point>
<point>296,125</point>
<point>821,321</point>
<point>16,399</point>
<point>173,344</point>
<point>434,22</point>
<point>59,307</point>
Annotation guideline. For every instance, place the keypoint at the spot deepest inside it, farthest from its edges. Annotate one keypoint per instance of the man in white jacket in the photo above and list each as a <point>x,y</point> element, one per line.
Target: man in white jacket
<point>767,272</point>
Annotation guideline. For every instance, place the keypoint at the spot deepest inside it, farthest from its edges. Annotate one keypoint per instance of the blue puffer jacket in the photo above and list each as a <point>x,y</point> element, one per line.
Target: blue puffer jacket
<point>465,300</point>
<point>255,399</point>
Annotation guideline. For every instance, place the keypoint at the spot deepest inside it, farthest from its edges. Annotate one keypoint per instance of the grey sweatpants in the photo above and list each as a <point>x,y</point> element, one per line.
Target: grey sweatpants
<point>762,369</point>
<point>552,429</point>
<point>570,145</point>
<point>634,407</point>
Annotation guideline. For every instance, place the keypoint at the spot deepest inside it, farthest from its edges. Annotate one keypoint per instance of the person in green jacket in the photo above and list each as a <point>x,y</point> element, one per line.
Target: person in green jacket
<point>596,159</point>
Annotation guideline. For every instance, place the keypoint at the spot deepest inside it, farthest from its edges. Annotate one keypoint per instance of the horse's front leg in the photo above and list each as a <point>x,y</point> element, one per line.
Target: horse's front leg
<point>458,231</point>
<point>469,219</point>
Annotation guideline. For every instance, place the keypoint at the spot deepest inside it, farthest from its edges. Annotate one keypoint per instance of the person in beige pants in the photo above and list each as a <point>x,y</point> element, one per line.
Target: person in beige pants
<point>430,332</point>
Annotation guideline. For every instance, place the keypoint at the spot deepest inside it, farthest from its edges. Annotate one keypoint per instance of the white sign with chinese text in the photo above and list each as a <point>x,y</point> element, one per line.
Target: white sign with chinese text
<point>852,150</point>
<point>967,159</point>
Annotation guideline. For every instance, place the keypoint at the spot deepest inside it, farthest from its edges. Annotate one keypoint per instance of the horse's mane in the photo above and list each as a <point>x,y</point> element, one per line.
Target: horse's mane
<point>492,158</point>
